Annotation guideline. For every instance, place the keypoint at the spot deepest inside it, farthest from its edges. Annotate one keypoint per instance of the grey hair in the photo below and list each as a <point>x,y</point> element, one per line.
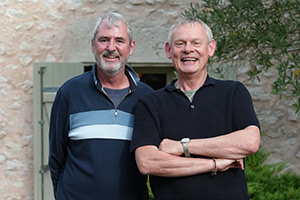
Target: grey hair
<point>191,20</point>
<point>112,19</point>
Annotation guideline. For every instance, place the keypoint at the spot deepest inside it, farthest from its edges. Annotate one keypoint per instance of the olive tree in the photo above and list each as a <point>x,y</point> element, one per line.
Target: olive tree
<point>263,33</point>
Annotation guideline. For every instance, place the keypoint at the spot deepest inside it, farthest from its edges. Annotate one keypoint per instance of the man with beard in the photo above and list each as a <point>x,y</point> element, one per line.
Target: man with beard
<point>92,121</point>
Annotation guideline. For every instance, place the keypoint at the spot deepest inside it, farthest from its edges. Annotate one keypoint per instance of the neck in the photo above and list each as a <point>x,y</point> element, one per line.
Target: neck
<point>191,82</point>
<point>119,81</point>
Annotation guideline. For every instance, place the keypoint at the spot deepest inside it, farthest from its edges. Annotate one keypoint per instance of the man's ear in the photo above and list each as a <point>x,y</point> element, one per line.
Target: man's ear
<point>211,47</point>
<point>132,46</point>
<point>92,43</point>
<point>168,50</point>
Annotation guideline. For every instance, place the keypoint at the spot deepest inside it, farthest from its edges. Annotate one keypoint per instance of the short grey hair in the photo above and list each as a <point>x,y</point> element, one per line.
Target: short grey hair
<point>112,19</point>
<point>190,20</point>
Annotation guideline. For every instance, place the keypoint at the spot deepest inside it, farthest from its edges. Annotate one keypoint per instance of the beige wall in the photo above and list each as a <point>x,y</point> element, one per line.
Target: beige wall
<point>60,31</point>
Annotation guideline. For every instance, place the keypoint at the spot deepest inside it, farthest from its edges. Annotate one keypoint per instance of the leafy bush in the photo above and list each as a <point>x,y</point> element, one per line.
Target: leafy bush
<point>150,191</point>
<point>266,182</point>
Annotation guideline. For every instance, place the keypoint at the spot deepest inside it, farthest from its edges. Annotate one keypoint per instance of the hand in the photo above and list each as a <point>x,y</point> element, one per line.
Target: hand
<point>171,146</point>
<point>225,164</point>
<point>238,164</point>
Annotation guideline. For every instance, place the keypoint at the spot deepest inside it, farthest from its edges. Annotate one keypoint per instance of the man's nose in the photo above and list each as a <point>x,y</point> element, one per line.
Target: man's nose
<point>111,46</point>
<point>188,47</point>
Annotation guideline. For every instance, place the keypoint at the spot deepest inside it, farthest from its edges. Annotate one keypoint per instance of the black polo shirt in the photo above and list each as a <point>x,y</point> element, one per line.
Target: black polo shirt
<point>219,107</point>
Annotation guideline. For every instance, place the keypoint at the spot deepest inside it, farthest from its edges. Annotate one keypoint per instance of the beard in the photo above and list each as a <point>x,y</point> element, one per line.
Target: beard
<point>111,68</point>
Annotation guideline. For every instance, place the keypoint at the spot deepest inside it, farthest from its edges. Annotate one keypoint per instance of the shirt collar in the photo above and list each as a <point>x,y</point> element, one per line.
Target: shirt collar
<point>208,81</point>
<point>130,73</point>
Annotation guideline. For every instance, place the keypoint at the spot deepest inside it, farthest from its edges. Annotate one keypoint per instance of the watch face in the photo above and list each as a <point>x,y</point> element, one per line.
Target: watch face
<point>185,140</point>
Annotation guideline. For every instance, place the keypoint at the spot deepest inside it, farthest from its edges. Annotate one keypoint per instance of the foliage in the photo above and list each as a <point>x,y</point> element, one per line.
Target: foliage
<point>151,196</point>
<point>265,181</point>
<point>264,33</point>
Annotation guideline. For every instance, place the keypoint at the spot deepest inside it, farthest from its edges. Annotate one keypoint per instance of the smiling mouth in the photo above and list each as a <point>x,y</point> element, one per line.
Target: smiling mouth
<point>189,59</point>
<point>110,56</point>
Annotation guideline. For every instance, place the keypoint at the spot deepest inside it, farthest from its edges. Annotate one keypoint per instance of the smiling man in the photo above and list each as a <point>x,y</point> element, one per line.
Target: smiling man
<point>92,120</point>
<point>191,137</point>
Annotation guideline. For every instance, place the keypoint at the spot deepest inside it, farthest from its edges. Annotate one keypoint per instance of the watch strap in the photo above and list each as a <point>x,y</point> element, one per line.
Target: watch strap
<point>185,145</point>
<point>186,149</point>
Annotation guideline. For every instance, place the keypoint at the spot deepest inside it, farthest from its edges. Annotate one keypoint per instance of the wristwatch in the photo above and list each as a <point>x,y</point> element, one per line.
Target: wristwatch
<point>185,144</point>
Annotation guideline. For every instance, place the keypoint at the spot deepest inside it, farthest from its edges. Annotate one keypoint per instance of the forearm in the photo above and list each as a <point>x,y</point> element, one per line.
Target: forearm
<point>154,162</point>
<point>235,145</point>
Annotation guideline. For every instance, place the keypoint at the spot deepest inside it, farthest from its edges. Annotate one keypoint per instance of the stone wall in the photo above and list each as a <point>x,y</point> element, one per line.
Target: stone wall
<point>60,31</point>
<point>280,124</point>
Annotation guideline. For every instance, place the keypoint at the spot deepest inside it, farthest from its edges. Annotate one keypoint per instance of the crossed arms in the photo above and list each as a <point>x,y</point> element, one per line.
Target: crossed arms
<point>229,151</point>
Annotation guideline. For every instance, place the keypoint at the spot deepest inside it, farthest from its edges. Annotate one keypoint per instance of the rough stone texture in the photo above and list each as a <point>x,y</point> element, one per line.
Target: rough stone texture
<point>60,31</point>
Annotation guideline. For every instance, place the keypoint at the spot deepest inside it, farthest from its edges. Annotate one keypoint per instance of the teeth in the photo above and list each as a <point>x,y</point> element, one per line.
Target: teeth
<point>189,59</point>
<point>107,56</point>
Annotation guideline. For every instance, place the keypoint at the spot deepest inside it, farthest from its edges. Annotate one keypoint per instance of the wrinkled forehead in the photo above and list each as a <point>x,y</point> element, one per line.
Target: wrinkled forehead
<point>118,29</point>
<point>191,30</point>
<point>104,26</point>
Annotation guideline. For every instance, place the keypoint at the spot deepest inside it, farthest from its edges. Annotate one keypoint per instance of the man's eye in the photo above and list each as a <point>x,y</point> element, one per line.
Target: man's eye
<point>102,40</point>
<point>179,44</point>
<point>197,43</point>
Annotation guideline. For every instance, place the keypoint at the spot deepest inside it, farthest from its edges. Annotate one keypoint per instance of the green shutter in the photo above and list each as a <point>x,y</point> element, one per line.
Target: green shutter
<point>48,77</point>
